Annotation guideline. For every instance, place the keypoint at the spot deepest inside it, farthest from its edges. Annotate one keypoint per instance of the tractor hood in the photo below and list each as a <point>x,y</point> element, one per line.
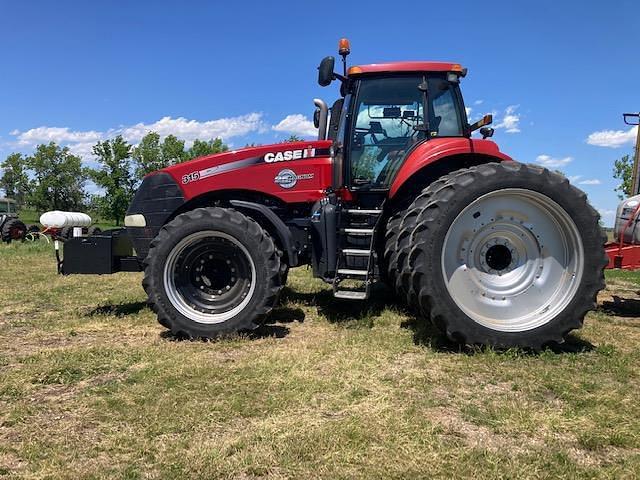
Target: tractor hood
<point>233,160</point>
<point>262,169</point>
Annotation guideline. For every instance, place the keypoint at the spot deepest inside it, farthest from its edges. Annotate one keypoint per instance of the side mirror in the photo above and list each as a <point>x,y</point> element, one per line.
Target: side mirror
<point>325,71</point>
<point>486,132</point>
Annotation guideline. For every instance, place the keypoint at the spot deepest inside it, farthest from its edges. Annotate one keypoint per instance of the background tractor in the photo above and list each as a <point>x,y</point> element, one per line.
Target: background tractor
<point>396,189</point>
<point>11,227</point>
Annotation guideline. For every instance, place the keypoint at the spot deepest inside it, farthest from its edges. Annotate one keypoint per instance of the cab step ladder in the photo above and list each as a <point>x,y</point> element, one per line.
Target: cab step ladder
<point>356,257</point>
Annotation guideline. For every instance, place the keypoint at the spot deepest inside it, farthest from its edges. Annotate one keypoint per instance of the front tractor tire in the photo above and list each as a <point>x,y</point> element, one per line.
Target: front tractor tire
<point>210,272</point>
<point>502,254</point>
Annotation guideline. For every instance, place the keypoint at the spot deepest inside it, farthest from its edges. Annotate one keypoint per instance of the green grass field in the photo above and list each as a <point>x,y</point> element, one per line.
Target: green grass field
<point>91,386</point>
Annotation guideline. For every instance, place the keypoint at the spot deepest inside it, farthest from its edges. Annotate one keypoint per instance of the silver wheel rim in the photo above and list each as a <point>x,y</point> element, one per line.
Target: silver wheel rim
<point>512,260</point>
<point>186,306</point>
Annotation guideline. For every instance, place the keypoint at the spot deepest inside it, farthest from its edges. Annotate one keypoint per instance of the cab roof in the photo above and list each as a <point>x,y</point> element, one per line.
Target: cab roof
<point>405,67</point>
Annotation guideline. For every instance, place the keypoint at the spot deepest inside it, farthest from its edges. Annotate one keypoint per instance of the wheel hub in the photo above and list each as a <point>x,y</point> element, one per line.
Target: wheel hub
<point>209,277</point>
<point>498,257</point>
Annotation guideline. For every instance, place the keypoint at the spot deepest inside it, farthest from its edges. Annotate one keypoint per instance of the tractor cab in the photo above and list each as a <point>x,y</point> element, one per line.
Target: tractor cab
<point>386,110</point>
<point>7,206</point>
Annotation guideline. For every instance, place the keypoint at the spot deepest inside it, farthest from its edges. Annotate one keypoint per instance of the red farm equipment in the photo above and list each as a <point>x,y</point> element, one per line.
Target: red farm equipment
<point>395,189</point>
<point>624,251</point>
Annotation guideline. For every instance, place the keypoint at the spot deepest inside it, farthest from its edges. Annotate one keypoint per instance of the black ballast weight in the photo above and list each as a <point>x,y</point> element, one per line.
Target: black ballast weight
<point>109,252</point>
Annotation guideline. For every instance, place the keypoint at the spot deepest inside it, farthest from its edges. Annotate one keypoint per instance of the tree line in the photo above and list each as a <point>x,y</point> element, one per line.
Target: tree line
<point>53,178</point>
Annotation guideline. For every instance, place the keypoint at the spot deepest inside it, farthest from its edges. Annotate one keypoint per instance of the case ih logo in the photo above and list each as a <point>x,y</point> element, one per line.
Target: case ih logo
<point>288,178</point>
<point>287,155</point>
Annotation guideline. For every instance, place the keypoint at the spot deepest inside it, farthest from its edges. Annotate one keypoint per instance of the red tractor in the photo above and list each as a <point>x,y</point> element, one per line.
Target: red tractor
<point>394,189</point>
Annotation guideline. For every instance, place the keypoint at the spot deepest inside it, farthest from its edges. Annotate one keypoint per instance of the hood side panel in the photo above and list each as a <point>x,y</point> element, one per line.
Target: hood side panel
<point>294,172</point>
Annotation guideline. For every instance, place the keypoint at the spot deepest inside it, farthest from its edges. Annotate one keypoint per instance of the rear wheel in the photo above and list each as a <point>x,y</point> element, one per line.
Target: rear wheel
<point>212,271</point>
<point>13,230</point>
<point>506,255</point>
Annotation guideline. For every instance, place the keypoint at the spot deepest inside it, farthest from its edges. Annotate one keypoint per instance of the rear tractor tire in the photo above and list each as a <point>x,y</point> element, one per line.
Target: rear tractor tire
<point>502,254</point>
<point>210,272</point>
<point>397,244</point>
<point>13,229</point>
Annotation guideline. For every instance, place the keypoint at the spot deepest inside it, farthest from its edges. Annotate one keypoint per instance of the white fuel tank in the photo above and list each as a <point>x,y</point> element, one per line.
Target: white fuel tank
<point>624,212</point>
<point>58,219</point>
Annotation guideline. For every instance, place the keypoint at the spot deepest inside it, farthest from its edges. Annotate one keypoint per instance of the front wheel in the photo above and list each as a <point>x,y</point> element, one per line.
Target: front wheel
<point>506,255</point>
<point>212,271</point>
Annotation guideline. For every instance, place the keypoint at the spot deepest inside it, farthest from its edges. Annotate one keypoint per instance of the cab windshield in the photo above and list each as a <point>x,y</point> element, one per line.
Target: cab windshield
<point>390,119</point>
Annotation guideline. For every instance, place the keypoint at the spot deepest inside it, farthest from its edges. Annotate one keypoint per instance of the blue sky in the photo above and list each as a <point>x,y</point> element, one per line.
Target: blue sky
<point>556,74</point>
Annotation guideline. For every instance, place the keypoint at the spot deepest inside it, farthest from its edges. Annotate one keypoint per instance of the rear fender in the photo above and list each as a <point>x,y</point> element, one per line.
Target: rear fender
<point>440,156</point>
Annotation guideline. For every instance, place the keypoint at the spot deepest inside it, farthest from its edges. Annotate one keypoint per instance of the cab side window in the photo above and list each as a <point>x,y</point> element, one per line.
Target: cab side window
<point>444,119</point>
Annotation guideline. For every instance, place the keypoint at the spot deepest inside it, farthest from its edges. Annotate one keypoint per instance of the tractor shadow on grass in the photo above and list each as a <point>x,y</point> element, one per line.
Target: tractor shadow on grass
<point>622,307</point>
<point>336,310</point>
<point>282,315</point>
<point>425,334</point>
<point>264,331</point>
<point>354,314</point>
<point>118,310</point>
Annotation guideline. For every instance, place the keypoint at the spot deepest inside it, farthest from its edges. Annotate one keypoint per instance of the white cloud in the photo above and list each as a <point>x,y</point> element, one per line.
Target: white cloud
<point>478,102</point>
<point>189,130</point>
<point>592,181</point>
<point>511,120</point>
<point>552,162</point>
<point>468,110</point>
<point>574,178</point>
<point>81,142</point>
<point>613,138</point>
<point>54,134</point>
<point>296,124</point>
